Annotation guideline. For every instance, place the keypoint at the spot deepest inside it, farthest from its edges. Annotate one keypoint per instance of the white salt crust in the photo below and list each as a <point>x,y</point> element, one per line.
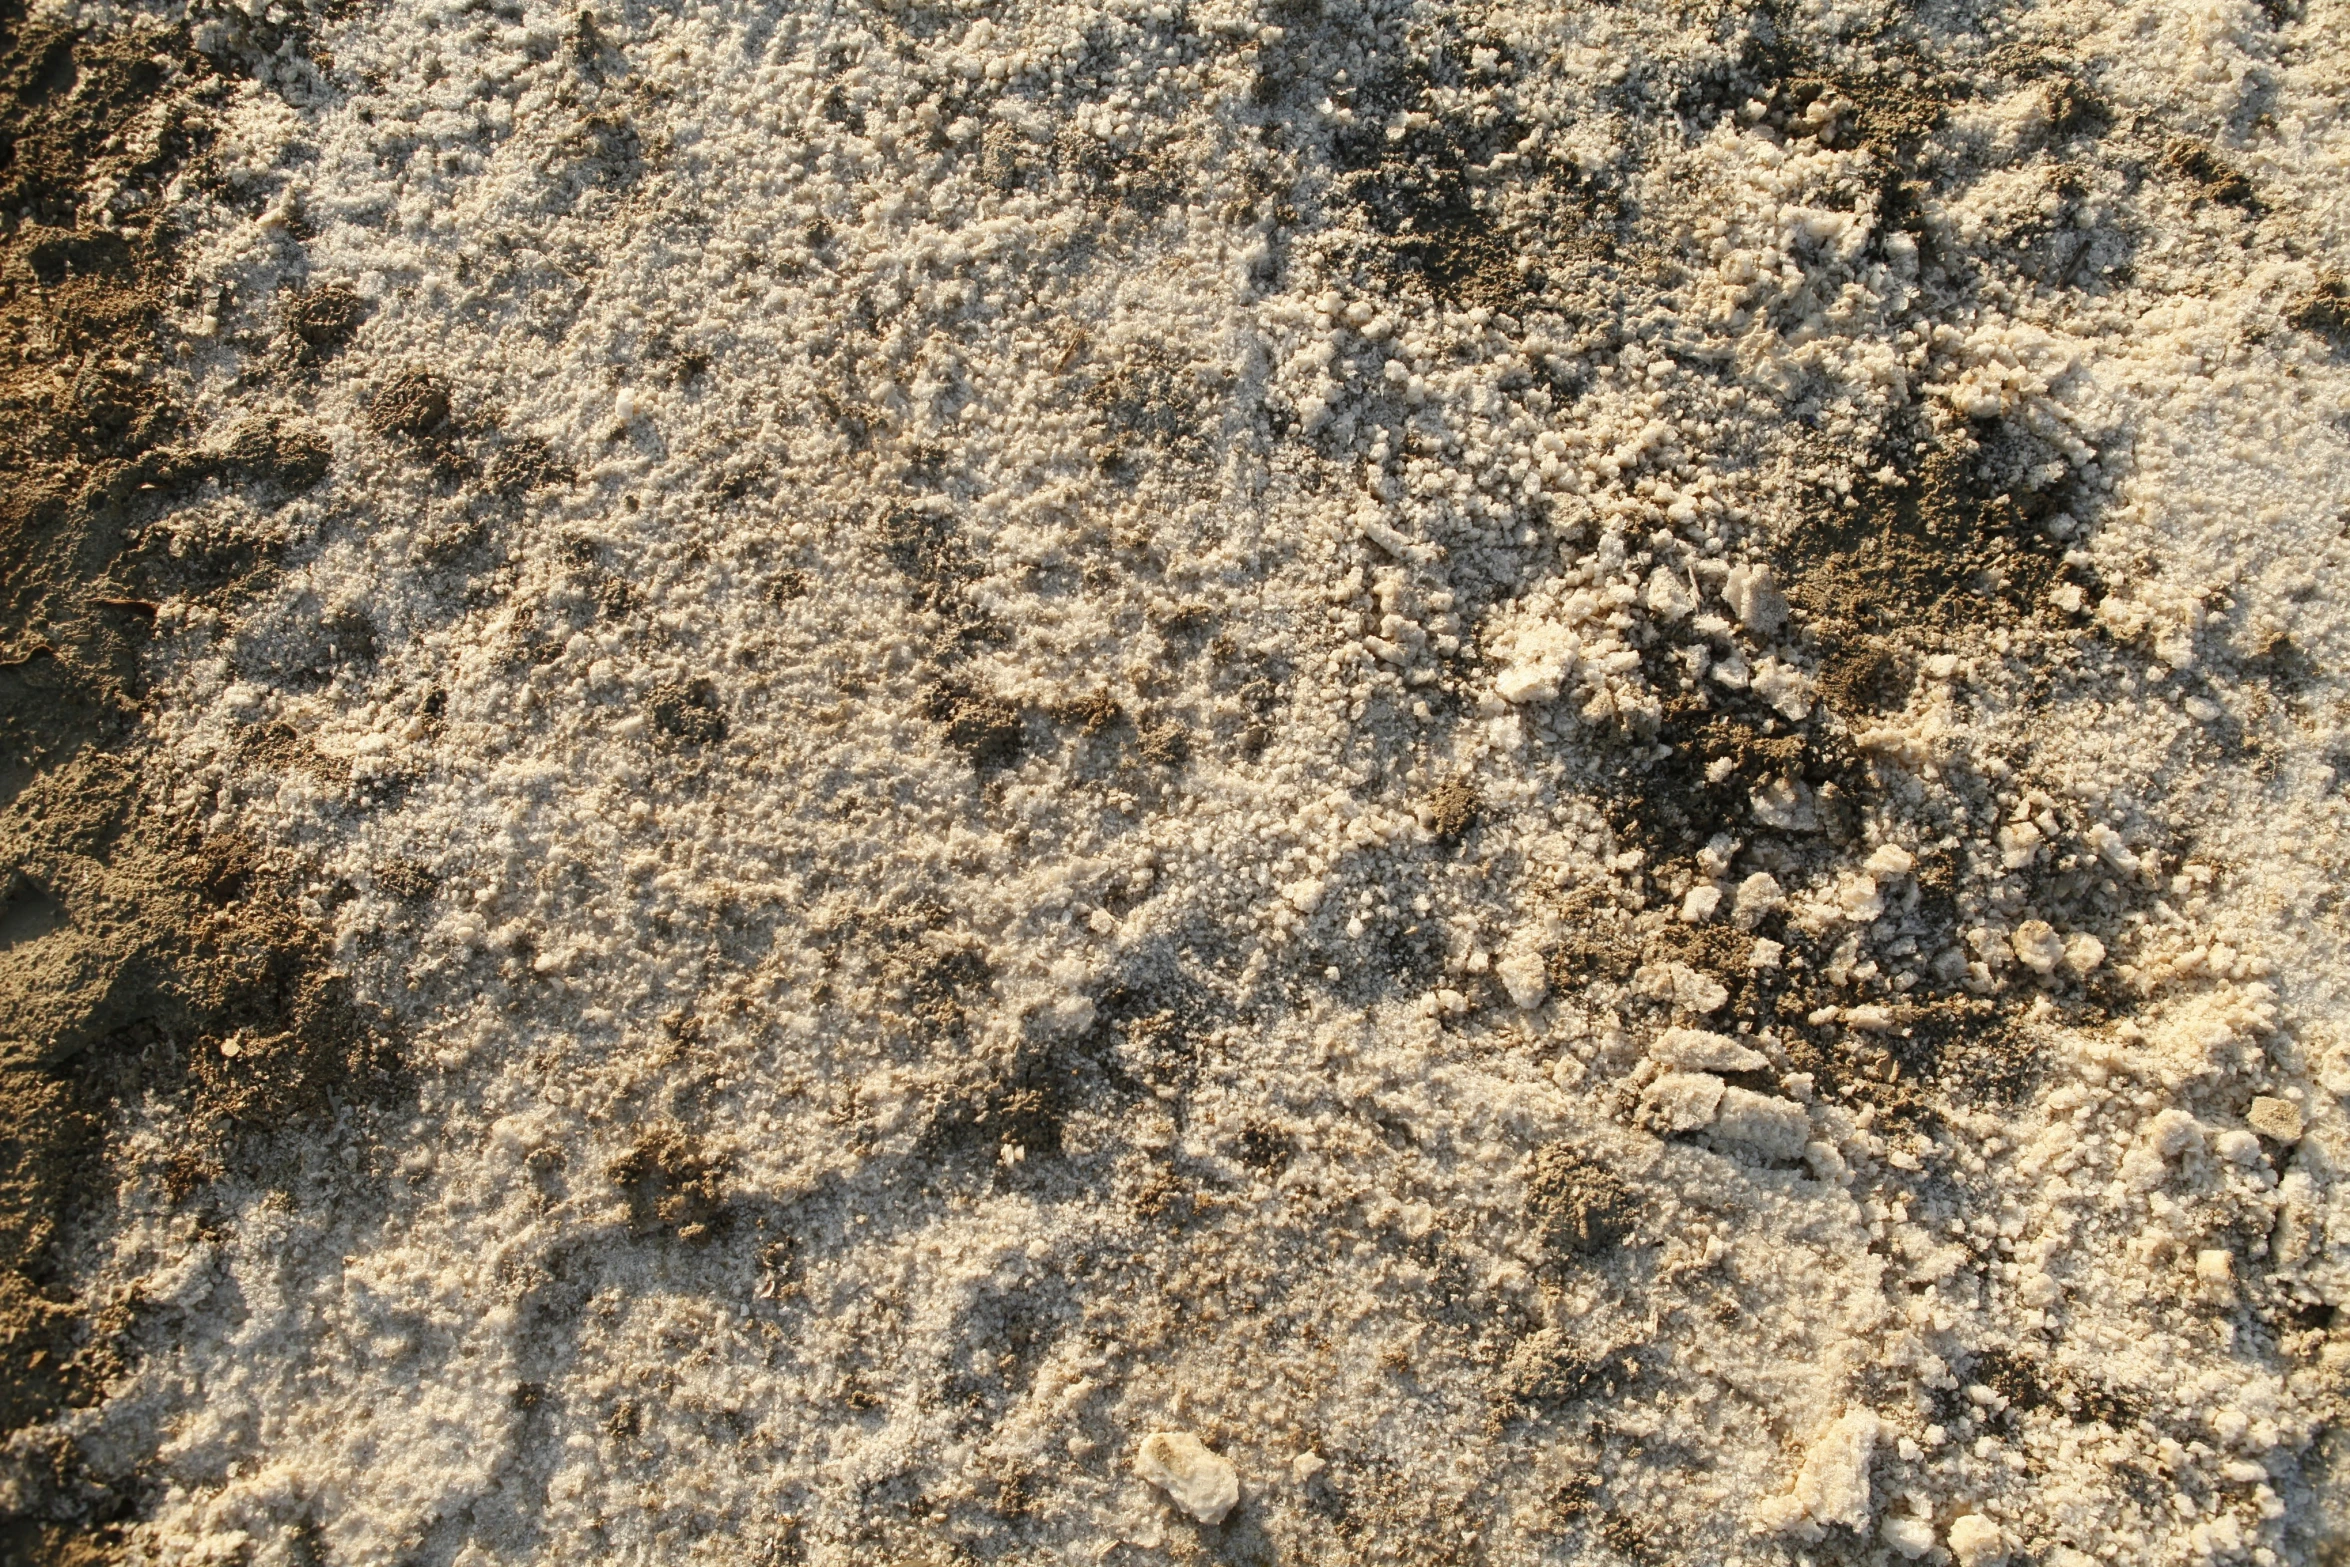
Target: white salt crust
<point>898,351</point>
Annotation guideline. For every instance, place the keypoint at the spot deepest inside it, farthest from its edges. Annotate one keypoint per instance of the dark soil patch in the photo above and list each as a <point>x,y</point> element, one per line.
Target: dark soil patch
<point>139,961</point>
<point>413,403</point>
<point>1452,810</point>
<point>323,320</point>
<point>1949,1047</point>
<point>2203,168</point>
<point>1716,756</point>
<point>673,1184</point>
<point>2326,312</point>
<point>686,712</point>
<point>1578,1207</point>
<point>985,728</point>
<point>1155,398</point>
<point>1942,551</point>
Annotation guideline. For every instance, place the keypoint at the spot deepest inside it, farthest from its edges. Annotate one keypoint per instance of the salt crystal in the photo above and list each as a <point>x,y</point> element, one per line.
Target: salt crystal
<point>1976,1541</point>
<point>1195,1477</point>
<point>1702,1050</point>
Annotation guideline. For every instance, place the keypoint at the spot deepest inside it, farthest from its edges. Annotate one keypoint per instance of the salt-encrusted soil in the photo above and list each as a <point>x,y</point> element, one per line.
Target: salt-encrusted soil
<point>1313,783</point>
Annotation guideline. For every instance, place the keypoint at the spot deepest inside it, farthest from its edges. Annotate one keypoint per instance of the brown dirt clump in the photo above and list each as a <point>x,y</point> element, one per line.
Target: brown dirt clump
<point>983,727</point>
<point>323,320</point>
<point>1934,554</point>
<point>2200,166</point>
<point>1578,1207</point>
<point>1452,810</point>
<point>673,1185</point>
<point>413,403</point>
<point>2326,312</point>
<point>686,711</point>
<point>136,959</point>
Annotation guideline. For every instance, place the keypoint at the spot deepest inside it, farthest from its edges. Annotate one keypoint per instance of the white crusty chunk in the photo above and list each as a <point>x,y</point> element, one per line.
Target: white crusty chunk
<point>1702,1050</point>
<point>1912,1537</point>
<point>1685,987</point>
<point>1833,1484</point>
<point>1684,1101</point>
<point>1195,1476</point>
<point>1762,1123</point>
<point>1757,896</point>
<point>1891,859</point>
<point>1754,597</point>
<point>1537,660</point>
<point>2037,946</point>
<point>1522,974</point>
<point>1669,597</point>
<point>1786,688</point>
<point>1976,1541</point>
<point>1785,804</point>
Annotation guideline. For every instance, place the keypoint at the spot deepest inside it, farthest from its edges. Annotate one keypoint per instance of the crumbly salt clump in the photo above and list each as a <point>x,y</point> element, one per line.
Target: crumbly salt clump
<point>1195,1477</point>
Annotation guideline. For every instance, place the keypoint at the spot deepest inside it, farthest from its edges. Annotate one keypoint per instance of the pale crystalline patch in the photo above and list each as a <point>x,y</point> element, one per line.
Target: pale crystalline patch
<point>1536,660</point>
<point>1701,1050</point>
<point>2112,850</point>
<point>1757,896</point>
<point>1763,1123</point>
<point>1195,1477</point>
<point>1754,597</point>
<point>1680,984</point>
<point>2037,946</point>
<point>1912,1537</point>
<point>2019,843</point>
<point>1976,1541</point>
<point>1669,597</point>
<point>1683,1101</point>
<point>1785,804</point>
<point>1523,975</point>
<point>2173,1132</point>
<point>1891,859</point>
<point>1784,687</point>
<point>1833,1485</point>
<point>2278,1119</point>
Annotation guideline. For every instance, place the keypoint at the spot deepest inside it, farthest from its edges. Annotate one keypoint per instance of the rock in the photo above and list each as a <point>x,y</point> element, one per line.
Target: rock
<point>1195,1477</point>
<point>1976,1542</point>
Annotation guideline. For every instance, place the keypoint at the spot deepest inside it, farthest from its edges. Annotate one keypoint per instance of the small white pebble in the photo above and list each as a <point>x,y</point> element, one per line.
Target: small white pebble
<point>1195,1476</point>
<point>1976,1541</point>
